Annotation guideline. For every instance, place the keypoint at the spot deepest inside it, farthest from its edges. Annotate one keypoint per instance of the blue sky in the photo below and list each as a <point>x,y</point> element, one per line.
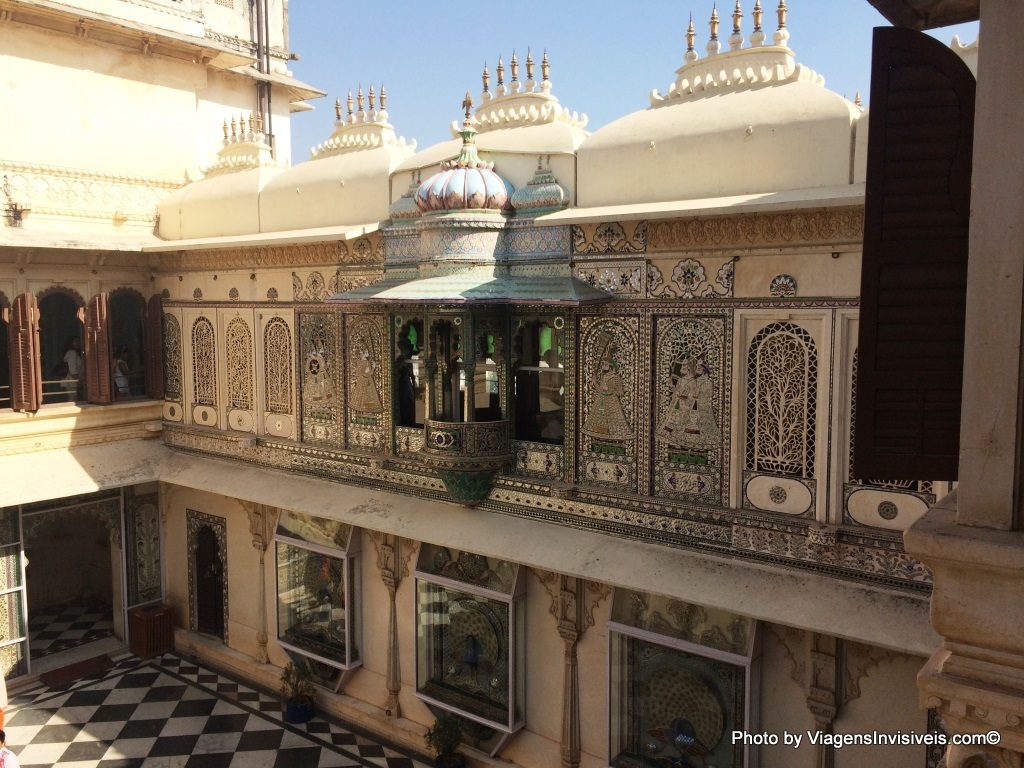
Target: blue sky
<point>605,57</point>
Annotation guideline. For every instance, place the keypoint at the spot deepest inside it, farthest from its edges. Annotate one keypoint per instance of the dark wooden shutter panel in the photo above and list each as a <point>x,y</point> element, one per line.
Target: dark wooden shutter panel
<point>155,348</point>
<point>98,358</point>
<point>914,274</point>
<point>26,363</point>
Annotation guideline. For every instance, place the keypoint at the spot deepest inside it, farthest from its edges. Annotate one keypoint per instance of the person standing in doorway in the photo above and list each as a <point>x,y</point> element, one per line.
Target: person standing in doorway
<point>75,367</point>
<point>7,758</point>
<point>121,384</point>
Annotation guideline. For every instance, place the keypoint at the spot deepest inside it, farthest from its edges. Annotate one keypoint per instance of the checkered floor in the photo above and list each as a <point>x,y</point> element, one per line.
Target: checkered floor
<point>62,627</point>
<point>170,713</point>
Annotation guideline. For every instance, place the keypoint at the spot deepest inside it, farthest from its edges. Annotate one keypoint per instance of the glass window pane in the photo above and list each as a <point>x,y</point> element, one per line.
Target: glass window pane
<point>487,572</point>
<point>10,568</point>
<point>9,526</point>
<point>311,609</point>
<point>538,382</point>
<point>673,708</point>
<point>463,654</point>
<point>315,530</point>
<point>11,624</point>
<point>13,661</point>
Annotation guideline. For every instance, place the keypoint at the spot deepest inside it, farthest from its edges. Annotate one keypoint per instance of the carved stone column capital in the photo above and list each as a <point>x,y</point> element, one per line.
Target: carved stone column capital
<point>262,523</point>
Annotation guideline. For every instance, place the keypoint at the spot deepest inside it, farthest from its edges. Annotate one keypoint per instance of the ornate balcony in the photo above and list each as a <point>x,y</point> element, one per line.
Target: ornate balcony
<point>467,456</point>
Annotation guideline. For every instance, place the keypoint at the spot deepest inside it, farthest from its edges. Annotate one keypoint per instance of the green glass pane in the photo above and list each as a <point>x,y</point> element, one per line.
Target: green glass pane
<point>414,339</point>
<point>545,339</point>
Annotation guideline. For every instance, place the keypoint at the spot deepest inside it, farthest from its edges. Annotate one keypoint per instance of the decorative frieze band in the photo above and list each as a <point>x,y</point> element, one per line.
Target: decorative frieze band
<point>365,250</point>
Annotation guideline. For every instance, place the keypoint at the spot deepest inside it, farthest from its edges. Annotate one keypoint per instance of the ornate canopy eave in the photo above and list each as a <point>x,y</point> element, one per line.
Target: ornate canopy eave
<point>928,14</point>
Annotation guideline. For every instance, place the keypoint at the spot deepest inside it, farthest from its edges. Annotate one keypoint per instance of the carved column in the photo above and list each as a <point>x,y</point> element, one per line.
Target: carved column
<point>262,523</point>
<point>572,604</point>
<point>393,555</point>
<point>823,690</point>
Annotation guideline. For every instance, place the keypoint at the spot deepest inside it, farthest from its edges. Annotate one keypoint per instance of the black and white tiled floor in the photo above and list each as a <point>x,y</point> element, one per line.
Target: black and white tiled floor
<point>170,713</point>
<point>62,627</point>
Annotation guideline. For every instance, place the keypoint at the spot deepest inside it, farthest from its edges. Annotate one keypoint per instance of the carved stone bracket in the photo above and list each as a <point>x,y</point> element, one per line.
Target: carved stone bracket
<point>573,601</point>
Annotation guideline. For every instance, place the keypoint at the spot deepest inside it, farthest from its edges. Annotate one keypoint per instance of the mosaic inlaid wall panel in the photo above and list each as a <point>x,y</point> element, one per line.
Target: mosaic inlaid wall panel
<point>142,548</point>
<point>238,369</point>
<point>693,376</point>
<point>608,375</point>
<point>173,367</point>
<point>368,382</point>
<point>781,424</point>
<point>275,363</point>
<point>321,379</point>
<point>199,328</point>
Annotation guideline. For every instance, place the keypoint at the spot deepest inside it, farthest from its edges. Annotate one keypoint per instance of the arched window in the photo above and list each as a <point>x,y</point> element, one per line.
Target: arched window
<point>172,357</point>
<point>128,341</point>
<point>782,375</point>
<point>277,366</point>
<point>410,372</point>
<point>204,363</point>
<point>239,364</point>
<point>61,345</point>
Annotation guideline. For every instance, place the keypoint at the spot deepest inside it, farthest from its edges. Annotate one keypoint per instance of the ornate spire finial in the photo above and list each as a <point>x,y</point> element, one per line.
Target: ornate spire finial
<point>737,17</point>
<point>259,122</point>
<point>857,100</point>
<point>545,67</point>
<point>467,105</point>
<point>373,99</point>
<point>234,127</point>
<point>529,65</point>
<point>486,77</point>
<point>383,97</point>
<point>252,123</point>
<point>515,67</point>
<point>781,34</point>
<point>348,102</point>
<point>758,13</point>
<point>714,21</point>
<point>225,129</point>
<point>337,109</point>
<point>691,34</point>
<point>781,11</point>
<point>359,98</point>
<point>501,72</point>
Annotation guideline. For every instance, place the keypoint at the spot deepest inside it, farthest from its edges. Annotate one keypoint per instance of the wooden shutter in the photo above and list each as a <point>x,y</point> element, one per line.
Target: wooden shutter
<point>914,274</point>
<point>26,362</point>
<point>98,355</point>
<point>154,352</point>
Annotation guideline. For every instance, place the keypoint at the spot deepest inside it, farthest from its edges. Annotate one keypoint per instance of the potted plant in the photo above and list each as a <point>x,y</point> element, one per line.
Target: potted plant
<point>298,690</point>
<point>444,738</point>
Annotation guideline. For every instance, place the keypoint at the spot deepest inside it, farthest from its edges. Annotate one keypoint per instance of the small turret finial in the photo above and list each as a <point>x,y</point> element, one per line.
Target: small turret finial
<point>691,35</point>
<point>252,123</point>
<point>359,97</point>
<point>714,21</point>
<point>467,105</point>
<point>348,102</point>
<point>501,72</point>
<point>781,11</point>
<point>225,129</point>
<point>529,65</point>
<point>373,99</point>
<point>781,36</point>
<point>383,97</point>
<point>514,62</point>
<point>737,17</point>
<point>259,122</point>
<point>234,127</point>
<point>758,13</point>
<point>545,67</point>
<point>337,109</point>
<point>857,100</point>
<point>486,77</point>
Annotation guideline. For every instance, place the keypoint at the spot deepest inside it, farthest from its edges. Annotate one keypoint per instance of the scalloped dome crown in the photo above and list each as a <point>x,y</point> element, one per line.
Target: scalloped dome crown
<point>467,182</point>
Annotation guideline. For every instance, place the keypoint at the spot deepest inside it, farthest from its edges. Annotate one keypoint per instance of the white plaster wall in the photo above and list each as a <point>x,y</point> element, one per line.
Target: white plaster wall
<point>816,272</point>
<point>783,704</point>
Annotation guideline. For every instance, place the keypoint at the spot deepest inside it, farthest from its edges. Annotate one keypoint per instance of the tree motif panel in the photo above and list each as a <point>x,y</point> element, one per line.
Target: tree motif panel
<point>782,377</point>
<point>277,366</point>
<point>238,340</point>
<point>608,368</point>
<point>172,358</point>
<point>691,409</point>
<point>204,363</point>
<point>321,384</point>
<point>369,395</point>
<point>142,550</point>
